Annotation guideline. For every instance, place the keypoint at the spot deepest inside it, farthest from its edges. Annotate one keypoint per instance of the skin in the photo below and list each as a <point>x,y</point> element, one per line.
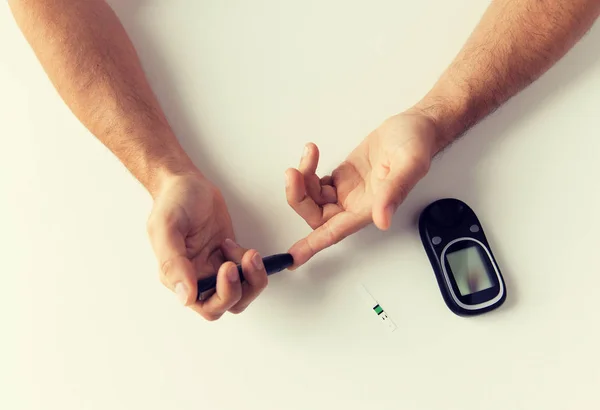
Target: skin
<point>89,58</point>
<point>515,42</point>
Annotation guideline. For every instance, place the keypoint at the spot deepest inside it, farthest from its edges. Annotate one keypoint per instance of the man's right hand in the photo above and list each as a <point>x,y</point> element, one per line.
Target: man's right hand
<point>192,236</point>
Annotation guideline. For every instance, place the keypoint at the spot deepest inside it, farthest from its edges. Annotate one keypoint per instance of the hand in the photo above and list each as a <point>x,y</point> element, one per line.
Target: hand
<point>367,187</point>
<point>192,237</point>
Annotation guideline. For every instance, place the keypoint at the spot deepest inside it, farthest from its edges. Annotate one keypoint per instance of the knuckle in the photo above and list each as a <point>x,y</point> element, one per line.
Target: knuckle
<point>421,166</point>
<point>418,164</point>
<point>312,250</point>
<point>163,279</point>
<point>329,235</point>
<point>170,220</point>
<point>166,267</point>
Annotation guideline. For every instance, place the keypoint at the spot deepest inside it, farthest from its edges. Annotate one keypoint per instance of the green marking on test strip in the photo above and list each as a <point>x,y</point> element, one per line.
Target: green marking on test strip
<point>378,309</point>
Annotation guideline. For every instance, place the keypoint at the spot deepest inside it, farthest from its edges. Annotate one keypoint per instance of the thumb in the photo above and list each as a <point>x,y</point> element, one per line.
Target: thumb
<point>393,190</point>
<point>176,269</point>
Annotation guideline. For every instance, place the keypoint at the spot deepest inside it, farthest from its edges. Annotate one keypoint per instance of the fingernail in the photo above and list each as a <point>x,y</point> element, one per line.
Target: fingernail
<point>287,180</point>
<point>233,275</point>
<point>305,152</point>
<point>181,292</point>
<point>257,261</point>
<point>230,244</point>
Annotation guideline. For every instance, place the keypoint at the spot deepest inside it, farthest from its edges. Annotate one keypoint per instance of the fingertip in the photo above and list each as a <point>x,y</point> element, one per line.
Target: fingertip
<point>310,159</point>
<point>312,148</point>
<point>232,250</point>
<point>229,244</point>
<point>229,286</point>
<point>247,260</point>
<point>226,267</point>
<point>381,224</point>
<point>382,217</point>
<point>254,270</point>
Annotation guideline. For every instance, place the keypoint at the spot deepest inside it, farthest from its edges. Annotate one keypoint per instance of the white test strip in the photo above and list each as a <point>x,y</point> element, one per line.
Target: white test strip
<point>376,308</point>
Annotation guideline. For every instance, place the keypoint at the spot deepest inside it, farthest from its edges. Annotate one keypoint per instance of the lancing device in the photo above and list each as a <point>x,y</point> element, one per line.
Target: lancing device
<point>273,264</point>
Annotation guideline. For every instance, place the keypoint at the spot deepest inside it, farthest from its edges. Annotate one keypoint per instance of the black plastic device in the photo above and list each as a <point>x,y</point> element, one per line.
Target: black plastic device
<point>460,255</point>
<point>273,264</point>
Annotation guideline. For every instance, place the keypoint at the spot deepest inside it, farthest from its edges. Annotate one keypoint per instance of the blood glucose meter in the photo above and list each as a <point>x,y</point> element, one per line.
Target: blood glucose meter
<point>465,268</point>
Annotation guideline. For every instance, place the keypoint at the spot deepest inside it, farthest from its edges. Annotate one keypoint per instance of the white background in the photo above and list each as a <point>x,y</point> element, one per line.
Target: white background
<point>85,323</point>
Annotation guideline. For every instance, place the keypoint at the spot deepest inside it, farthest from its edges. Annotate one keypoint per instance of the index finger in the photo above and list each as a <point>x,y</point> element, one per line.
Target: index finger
<point>331,232</point>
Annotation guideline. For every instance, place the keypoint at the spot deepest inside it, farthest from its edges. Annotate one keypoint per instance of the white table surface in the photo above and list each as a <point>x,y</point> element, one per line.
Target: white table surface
<point>85,323</point>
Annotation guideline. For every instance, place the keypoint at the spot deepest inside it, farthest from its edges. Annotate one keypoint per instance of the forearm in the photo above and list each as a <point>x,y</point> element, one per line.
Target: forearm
<point>515,42</point>
<point>91,61</point>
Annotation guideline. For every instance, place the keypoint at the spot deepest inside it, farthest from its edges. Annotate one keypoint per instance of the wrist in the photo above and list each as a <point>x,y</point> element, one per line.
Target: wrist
<point>452,112</point>
<point>155,158</point>
<point>164,176</point>
<point>168,168</point>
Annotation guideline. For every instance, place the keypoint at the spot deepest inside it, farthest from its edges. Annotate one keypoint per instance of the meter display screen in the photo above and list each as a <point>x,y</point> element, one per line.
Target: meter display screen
<point>470,270</point>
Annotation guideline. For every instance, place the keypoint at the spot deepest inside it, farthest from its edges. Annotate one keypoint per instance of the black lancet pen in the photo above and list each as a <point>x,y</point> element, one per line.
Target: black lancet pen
<point>273,264</point>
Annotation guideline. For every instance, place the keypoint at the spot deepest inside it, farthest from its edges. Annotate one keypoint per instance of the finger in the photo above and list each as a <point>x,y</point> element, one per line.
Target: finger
<point>328,194</point>
<point>228,293</point>
<point>320,194</point>
<point>303,204</point>
<point>255,273</point>
<point>309,160</point>
<point>308,168</point>
<point>232,251</point>
<point>328,191</point>
<point>328,234</point>
<point>313,188</point>
<point>256,280</point>
<point>300,202</point>
<point>176,269</point>
<point>327,180</point>
<point>394,188</point>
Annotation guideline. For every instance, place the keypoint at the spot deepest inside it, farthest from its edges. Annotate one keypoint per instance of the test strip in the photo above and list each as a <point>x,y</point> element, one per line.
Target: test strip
<point>376,307</point>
